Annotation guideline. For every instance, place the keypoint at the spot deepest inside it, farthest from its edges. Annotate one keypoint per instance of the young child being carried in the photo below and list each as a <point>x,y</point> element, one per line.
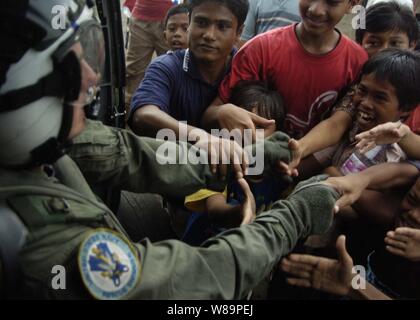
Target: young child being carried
<point>213,211</point>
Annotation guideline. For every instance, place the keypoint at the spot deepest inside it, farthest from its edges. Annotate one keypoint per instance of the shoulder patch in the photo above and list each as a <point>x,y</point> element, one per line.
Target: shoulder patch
<point>109,265</point>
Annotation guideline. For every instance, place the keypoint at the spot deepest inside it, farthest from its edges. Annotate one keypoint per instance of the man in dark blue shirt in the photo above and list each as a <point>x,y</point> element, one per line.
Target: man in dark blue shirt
<point>174,85</point>
<point>179,86</point>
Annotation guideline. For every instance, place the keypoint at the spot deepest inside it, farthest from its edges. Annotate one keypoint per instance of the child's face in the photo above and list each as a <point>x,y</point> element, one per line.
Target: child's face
<point>376,103</point>
<point>373,43</point>
<point>321,16</point>
<point>410,207</point>
<point>212,32</point>
<point>176,31</point>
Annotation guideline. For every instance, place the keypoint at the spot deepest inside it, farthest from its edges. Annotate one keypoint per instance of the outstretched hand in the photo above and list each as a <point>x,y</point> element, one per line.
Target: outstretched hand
<point>232,117</point>
<point>404,242</point>
<point>219,150</point>
<point>387,133</point>
<point>290,168</point>
<point>333,276</point>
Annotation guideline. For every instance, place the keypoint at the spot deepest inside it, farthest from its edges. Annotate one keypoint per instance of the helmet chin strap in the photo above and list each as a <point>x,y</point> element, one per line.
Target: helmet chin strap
<point>54,148</point>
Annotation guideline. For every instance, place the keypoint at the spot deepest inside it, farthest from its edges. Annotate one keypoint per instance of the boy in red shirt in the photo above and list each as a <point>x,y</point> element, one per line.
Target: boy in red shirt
<point>308,63</point>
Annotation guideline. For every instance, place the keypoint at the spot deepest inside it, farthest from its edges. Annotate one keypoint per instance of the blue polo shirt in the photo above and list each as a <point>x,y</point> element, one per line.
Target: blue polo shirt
<point>174,84</point>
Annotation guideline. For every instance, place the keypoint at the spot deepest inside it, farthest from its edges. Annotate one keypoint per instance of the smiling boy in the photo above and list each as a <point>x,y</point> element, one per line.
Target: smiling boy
<point>387,92</point>
<point>388,25</point>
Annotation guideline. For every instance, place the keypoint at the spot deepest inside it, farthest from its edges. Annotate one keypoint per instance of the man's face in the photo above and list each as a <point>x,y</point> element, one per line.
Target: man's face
<point>321,16</point>
<point>410,208</point>
<point>89,80</point>
<point>176,31</point>
<point>373,43</point>
<point>212,33</point>
<point>376,102</point>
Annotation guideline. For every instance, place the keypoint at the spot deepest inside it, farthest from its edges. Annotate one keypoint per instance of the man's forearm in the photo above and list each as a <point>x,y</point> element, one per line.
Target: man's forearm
<point>210,117</point>
<point>148,120</point>
<point>232,263</point>
<point>221,213</point>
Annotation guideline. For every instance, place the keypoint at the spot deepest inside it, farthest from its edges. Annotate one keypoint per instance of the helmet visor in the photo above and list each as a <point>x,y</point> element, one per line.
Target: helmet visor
<point>90,36</point>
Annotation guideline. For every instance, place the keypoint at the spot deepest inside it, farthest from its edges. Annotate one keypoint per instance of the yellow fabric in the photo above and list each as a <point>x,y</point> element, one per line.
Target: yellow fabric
<point>197,201</point>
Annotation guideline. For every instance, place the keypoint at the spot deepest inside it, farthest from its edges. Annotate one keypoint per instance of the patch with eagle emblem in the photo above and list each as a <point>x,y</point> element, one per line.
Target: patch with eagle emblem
<point>109,265</point>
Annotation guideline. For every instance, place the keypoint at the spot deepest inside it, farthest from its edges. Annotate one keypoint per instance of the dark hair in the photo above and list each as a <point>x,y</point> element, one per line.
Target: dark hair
<point>401,68</point>
<point>239,8</point>
<point>181,8</point>
<point>256,94</point>
<point>390,16</point>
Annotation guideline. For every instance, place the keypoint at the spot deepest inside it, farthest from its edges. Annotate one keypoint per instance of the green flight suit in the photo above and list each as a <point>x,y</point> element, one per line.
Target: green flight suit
<point>59,217</point>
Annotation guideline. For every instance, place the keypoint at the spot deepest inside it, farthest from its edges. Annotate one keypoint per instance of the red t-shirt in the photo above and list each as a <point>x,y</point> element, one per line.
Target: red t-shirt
<point>151,10</point>
<point>414,120</point>
<point>309,84</point>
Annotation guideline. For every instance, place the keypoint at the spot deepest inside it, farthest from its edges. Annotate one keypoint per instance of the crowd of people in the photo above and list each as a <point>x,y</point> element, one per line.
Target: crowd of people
<point>337,120</point>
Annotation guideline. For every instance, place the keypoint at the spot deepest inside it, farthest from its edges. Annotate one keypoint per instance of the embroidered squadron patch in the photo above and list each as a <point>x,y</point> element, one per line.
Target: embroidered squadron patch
<point>108,265</point>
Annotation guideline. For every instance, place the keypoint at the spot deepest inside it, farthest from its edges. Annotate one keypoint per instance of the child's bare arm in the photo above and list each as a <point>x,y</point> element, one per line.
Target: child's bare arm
<point>391,132</point>
<point>221,213</point>
<point>327,133</point>
<point>410,144</point>
<point>381,176</point>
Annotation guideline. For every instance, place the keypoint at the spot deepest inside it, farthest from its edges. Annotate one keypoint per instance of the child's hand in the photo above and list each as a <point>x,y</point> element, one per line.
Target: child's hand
<point>391,132</point>
<point>333,276</point>
<point>248,207</point>
<point>404,242</point>
<point>290,169</point>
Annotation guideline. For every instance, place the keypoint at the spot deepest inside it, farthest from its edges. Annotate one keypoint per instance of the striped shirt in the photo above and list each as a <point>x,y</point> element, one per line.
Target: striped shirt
<point>264,15</point>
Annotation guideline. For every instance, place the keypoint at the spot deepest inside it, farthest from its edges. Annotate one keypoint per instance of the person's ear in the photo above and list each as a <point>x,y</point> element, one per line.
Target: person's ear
<point>239,31</point>
<point>164,35</point>
<point>413,44</point>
